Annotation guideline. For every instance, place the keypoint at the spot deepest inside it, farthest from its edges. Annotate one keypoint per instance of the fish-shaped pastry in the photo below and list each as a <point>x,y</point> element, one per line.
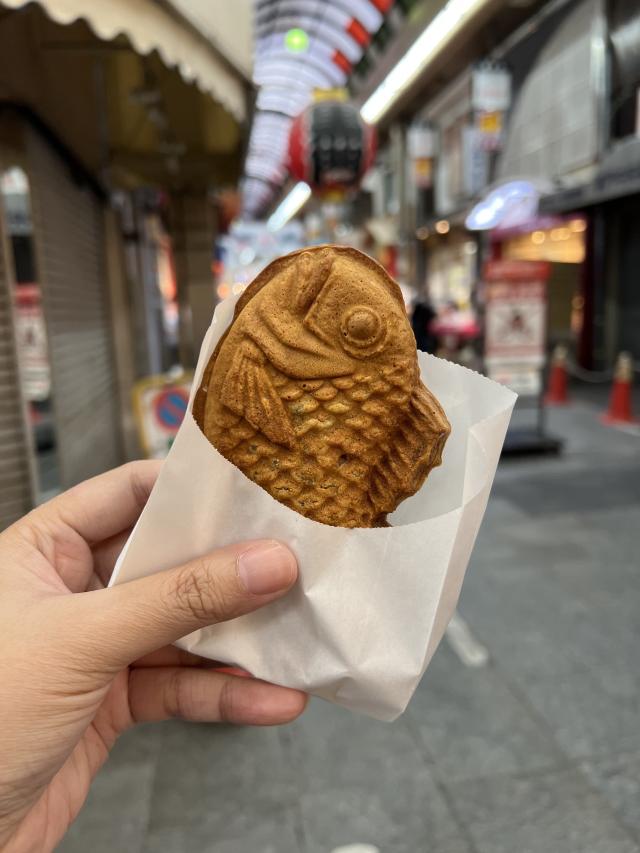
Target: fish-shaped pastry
<point>314,391</point>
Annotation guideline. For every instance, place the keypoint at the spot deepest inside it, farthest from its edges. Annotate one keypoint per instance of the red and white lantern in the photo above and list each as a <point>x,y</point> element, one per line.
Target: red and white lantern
<point>330,146</point>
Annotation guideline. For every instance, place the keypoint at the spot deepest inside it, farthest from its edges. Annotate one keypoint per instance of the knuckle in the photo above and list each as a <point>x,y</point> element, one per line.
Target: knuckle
<point>200,594</point>
<point>228,702</point>
<point>174,695</point>
<point>176,698</point>
<point>192,593</point>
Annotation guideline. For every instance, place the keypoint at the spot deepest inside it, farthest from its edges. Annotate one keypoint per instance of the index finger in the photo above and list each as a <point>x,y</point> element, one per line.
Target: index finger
<point>109,503</point>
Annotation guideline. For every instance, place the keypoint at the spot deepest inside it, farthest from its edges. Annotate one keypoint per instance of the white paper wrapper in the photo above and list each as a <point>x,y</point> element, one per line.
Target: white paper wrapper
<point>370,606</point>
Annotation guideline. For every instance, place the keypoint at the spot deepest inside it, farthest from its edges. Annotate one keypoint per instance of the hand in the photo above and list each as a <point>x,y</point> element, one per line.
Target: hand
<point>80,664</point>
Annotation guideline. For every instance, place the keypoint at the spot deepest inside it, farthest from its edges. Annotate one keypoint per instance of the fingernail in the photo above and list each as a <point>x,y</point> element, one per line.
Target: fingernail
<point>266,568</point>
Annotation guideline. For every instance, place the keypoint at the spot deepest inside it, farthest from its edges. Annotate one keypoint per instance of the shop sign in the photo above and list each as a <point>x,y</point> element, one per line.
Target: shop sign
<point>490,130</point>
<point>31,338</point>
<point>491,89</point>
<point>160,404</point>
<point>490,100</point>
<point>423,173</point>
<point>516,323</point>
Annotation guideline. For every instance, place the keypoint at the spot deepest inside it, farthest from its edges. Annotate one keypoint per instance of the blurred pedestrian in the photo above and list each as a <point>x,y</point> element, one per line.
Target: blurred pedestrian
<point>82,663</point>
<point>421,321</point>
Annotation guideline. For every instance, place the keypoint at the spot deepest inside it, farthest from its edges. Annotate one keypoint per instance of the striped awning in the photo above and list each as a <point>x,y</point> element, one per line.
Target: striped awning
<point>161,26</point>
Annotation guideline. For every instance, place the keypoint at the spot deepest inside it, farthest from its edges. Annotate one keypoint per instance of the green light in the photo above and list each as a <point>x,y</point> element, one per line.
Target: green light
<point>296,40</point>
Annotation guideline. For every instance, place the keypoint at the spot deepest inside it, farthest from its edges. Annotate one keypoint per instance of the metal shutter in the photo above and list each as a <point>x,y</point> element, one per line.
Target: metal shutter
<point>15,471</point>
<point>69,233</point>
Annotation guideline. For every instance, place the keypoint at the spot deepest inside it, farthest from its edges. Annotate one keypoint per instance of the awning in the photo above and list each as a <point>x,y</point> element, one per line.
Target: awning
<point>230,33</point>
<point>128,117</point>
<point>154,26</point>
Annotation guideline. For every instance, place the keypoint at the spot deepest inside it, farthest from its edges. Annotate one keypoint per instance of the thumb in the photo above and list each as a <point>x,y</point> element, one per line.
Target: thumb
<point>128,621</point>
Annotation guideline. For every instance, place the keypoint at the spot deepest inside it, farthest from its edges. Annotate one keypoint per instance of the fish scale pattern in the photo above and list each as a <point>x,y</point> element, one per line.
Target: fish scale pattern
<point>340,425</point>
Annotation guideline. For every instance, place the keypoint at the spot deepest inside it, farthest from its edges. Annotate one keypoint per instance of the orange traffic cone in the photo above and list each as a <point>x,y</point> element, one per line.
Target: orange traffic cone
<point>557,394</point>
<point>619,411</point>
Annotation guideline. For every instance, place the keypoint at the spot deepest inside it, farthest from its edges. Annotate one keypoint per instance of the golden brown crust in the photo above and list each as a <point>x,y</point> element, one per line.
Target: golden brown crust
<point>314,390</point>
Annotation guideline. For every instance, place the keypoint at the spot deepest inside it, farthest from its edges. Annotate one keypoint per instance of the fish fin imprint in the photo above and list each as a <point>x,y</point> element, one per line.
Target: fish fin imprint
<point>415,449</point>
<point>248,391</point>
<point>426,409</point>
<point>313,273</point>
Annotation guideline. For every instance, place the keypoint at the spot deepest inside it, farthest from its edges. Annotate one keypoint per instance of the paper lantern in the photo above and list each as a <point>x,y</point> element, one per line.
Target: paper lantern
<point>330,146</point>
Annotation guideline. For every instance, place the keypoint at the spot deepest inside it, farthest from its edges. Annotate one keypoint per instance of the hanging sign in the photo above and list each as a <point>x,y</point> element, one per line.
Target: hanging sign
<point>490,100</point>
<point>491,89</point>
<point>489,130</point>
<point>421,147</point>
<point>31,336</point>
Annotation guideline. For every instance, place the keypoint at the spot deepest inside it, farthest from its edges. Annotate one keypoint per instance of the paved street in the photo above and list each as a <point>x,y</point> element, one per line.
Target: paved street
<point>536,752</point>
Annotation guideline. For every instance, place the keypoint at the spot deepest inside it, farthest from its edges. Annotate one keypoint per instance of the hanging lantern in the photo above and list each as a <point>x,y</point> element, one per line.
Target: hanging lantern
<point>330,146</point>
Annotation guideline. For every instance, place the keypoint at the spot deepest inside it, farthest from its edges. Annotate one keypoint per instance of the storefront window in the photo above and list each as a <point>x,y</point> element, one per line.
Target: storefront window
<point>562,243</point>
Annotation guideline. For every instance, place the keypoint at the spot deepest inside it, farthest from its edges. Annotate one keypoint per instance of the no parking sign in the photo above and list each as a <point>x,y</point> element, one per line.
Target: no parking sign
<point>160,404</point>
<point>169,408</point>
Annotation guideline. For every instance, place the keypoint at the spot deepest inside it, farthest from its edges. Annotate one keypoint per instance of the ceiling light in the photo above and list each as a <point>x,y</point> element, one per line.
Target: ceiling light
<point>289,206</point>
<point>449,21</point>
<point>443,227</point>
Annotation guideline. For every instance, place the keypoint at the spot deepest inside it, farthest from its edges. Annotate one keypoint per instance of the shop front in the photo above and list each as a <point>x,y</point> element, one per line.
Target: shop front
<point>115,123</point>
<point>610,203</point>
<point>561,242</point>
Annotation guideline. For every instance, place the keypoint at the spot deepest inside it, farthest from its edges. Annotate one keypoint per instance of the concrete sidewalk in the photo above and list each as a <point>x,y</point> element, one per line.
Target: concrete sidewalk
<point>538,751</point>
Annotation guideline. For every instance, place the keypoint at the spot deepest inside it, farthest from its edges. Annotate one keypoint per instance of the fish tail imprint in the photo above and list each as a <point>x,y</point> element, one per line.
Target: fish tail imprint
<point>416,448</point>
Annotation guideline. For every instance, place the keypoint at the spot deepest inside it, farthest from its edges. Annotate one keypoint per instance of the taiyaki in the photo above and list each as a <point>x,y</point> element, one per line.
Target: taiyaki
<point>314,391</point>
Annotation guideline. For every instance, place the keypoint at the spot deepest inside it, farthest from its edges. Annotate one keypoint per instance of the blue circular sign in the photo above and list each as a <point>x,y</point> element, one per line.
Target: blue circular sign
<point>170,407</point>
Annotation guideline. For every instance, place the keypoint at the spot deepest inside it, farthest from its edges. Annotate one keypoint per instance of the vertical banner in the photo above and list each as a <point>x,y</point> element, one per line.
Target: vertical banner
<point>31,337</point>
<point>490,99</point>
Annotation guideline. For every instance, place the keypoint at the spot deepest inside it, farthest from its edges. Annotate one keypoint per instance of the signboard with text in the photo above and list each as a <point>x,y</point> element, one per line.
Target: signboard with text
<point>516,323</point>
<point>491,88</point>
<point>31,337</point>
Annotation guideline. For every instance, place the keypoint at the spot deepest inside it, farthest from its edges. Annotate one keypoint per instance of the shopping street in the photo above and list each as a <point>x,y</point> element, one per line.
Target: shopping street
<point>535,752</point>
